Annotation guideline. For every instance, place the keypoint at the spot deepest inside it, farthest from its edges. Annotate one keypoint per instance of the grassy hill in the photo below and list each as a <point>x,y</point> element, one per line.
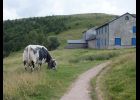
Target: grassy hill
<point>21,32</point>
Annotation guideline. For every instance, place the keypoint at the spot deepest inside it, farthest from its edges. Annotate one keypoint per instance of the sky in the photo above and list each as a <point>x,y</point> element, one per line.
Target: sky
<point>15,9</point>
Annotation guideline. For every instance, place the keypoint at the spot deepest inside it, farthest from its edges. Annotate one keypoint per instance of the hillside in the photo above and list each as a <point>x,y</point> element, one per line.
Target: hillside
<point>21,32</point>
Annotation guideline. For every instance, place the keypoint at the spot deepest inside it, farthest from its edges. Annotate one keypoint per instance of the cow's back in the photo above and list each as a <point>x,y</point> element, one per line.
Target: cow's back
<point>36,53</point>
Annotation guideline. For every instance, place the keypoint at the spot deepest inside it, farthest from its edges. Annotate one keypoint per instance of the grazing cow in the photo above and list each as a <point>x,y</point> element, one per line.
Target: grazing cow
<point>37,54</point>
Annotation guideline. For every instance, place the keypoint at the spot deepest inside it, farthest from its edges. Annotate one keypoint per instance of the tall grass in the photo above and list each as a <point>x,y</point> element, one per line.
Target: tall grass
<point>119,82</point>
<point>46,84</point>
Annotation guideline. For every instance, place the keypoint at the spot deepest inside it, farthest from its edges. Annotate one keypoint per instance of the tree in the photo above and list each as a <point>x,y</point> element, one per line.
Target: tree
<point>53,42</point>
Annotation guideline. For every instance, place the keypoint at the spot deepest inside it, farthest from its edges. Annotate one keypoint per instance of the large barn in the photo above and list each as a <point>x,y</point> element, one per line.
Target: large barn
<point>117,33</point>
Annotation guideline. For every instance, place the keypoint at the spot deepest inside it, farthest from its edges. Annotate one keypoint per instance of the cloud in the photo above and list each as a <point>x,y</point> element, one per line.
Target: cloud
<point>33,8</point>
<point>10,14</point>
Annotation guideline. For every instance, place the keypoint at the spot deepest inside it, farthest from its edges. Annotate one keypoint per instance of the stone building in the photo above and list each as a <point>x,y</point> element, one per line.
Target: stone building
<point>117,33</point>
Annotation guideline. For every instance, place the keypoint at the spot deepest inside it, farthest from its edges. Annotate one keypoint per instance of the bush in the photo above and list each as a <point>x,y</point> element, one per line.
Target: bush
<point>52,42</point>
<point>100,56</point>
<point>104,56</point>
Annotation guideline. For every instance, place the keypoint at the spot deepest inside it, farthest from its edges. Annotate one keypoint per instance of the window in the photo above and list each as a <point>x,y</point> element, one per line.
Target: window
<point>133,41</point>
<point>105,29</point>
<point>126,18</point>
<point>105,41</point>
<point>102,30</point>
<point>98,43</point>
<point>101,42</point>
<point>134,29</point>
<point>117,41</point>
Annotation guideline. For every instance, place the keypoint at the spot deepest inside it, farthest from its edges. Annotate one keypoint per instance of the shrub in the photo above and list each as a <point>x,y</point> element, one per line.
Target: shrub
<point>104,56</point>
<point>52,42</point>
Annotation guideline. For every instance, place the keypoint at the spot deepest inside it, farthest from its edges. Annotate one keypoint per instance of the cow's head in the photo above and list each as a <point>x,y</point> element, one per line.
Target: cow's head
<point>52,64</point>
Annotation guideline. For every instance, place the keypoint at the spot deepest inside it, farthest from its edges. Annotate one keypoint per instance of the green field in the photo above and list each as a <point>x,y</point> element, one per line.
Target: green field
<point>19,84</point>
<point>119,82</point>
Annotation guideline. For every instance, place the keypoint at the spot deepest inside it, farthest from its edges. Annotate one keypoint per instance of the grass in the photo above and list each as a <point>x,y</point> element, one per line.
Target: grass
<point>79,23</point>
<point>72,34</point>
<point>119,82</point>
<point>93,91</point>
<point>48,84</point>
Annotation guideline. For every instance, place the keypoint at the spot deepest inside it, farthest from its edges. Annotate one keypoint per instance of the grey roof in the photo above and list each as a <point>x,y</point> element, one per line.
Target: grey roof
<point>133,15</point>
<point>90,34</point>
<point>91,37</point>
<point>76,41</point>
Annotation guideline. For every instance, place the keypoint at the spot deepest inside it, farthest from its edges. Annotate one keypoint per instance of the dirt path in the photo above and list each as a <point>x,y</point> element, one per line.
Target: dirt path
<point>80,89</point>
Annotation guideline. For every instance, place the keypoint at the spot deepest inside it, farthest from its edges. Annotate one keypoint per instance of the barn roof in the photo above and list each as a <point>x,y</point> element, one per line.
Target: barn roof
<point>90,34</point>
<point>76,41</point>
<point>133,15</point>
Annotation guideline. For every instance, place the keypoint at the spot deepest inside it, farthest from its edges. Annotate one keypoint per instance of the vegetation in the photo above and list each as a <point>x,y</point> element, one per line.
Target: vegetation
<point>21,32</point>
<point>52,32</point>
<point>53,42</point>
<point>48,84</point>
<point>119,82</point>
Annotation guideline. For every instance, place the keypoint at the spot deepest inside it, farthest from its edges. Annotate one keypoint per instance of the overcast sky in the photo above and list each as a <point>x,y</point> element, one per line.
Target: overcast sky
<point>15,9</point>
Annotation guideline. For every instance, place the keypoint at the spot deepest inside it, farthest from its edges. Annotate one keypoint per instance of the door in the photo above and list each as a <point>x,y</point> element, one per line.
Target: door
<point>117,41</point>
<point>133,41</point>
<point>134,29</point>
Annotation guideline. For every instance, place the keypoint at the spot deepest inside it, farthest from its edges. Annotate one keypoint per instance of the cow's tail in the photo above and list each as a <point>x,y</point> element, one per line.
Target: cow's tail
<point>28,53</point>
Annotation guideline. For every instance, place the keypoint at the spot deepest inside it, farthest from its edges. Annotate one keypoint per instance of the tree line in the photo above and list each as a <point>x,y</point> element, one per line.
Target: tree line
<point>38,30</point>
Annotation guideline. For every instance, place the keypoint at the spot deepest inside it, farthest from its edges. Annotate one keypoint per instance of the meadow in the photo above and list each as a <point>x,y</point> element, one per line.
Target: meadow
<point>45,84</point>
<point>118,81</point>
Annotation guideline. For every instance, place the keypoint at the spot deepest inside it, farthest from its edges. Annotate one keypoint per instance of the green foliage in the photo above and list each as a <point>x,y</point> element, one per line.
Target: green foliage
<point>53,42</point>
<point>101,56</point>
<point>119,82</point>
<point>21,32</point>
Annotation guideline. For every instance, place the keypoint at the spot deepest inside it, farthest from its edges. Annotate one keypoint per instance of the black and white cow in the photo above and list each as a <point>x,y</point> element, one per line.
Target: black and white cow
<point>37,55</point>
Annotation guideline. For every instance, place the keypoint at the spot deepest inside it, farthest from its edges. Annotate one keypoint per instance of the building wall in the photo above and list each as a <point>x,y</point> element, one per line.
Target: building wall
<point>123,29</point>
<point>102,37</point>
<point>92,43</point>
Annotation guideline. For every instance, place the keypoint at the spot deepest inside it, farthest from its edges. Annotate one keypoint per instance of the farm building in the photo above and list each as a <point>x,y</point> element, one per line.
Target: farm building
<point>117,33</point>
<point>86,41</point>
<point>76,44</point>
<point>90,37</point>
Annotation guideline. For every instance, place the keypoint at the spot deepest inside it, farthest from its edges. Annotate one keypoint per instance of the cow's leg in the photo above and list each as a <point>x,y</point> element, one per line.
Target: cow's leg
<point>26,68</point>
<point>37,67</point>
<point>25,64</point>
<point>32,68</point>
<point>40,66</point>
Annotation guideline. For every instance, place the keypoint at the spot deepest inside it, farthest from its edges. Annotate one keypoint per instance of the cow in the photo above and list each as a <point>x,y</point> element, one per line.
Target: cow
<point>37,55</point>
